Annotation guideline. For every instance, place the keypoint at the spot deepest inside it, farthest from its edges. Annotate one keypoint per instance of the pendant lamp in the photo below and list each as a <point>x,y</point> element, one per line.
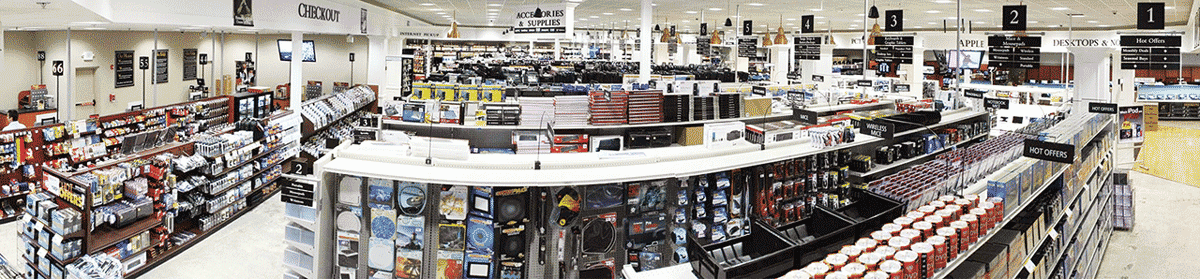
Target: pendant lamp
<point>874,12</point>
<point>716,38</point>
<point>780,39</point>
<point>766,39</point>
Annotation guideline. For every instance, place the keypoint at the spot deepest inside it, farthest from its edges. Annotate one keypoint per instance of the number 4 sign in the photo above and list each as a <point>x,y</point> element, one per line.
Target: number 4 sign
<point>894,21</point>
<point>1014,18</point>
<point>1150,16</point>
<point>806,24</point>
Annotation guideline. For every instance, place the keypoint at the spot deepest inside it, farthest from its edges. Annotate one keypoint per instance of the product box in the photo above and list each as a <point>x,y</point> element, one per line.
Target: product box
<point>469,92</point>
<point>569,148</point>
<point>422,91</point>
<point>445,92</point>
<point>491,93</point>
<point>571,139</point>
<point>756,106</point>
<point>995,260</point>
<point>723,134</point>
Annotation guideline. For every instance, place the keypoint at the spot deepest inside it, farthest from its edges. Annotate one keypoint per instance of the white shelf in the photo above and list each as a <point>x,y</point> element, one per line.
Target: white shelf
<point>301,215</point>
<point>584,168</point>
<point>679,271</point>
<point>298,262</point>
<point>300,238</point>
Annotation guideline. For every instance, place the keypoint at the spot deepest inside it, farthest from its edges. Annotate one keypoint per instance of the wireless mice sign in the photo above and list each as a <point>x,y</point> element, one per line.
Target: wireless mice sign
<point>544,19</point>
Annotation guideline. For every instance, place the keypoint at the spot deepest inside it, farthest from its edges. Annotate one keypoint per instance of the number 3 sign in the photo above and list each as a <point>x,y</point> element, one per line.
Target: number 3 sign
<point>894,21</point>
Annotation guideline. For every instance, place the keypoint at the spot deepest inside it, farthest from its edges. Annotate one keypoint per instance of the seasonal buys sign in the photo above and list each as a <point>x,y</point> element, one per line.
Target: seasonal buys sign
<point>544,19</point>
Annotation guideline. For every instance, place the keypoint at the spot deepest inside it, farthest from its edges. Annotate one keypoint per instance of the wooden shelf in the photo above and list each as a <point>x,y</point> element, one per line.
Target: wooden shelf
<point>104,237</point>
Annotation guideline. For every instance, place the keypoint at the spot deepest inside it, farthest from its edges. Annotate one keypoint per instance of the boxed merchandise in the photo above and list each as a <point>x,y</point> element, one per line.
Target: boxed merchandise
<point>723,134</point>
<point>422,91</point>
<point>571,139</point>
<point>995,258</point>
<point>773,131</point>
<point>691,135</point>
<point>607,143</point>
<point>757,106</point>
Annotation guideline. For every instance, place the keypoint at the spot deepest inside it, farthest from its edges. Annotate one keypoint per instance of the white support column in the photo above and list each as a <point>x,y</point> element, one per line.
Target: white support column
<point>297,90</point>
<point>644,35</point>
<point>152,100</point>
<point>66,98</point>
<point>1091,76</point>
<point>780,56</point>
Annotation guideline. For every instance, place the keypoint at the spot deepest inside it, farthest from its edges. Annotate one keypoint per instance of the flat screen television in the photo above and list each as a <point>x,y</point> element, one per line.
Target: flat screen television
<point>308,50</point>
<point>970,59</point>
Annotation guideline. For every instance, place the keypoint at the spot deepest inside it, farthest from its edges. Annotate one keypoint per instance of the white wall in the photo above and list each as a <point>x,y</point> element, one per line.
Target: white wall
<point>21,67</point>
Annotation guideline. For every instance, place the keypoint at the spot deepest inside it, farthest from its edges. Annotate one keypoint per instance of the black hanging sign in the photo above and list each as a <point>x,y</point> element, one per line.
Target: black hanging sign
<point>747,47</point>
<point>758,90</point>
<point>807,48</point>
<point>883,130</point>
<point>902,88</point>
<point>1049,151</point>
<point>249,57</point>
<point>974,94</point>
<point>1151,16</point>
<point>1151,41</point>
<point>807,24</point>
<point>995,103</point>
<point>747,28</point>
<point>1013,18</point>
<point>893,21</point>
<point>1105,108</point>
<point>703,29</point>
<point>189,63</point>
<point>123,69</point>
<point>41,56</point>
<point>144,63</point>
<point>204,59</point>
<point>703,45</point>
<point>297,192</point>
<point>57,68</point>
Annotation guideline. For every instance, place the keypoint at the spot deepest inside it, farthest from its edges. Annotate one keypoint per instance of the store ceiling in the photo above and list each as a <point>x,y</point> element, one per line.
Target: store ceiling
<point>28,14</point>
<point>835,14</point>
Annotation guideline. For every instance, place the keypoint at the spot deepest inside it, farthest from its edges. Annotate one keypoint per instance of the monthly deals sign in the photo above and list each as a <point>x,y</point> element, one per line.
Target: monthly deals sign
<point>545,19</point>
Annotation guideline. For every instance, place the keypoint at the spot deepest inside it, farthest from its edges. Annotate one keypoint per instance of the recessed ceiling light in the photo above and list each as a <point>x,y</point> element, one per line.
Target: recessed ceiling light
<point>859,15</point>
<point>821,22</point>
<point>684,21</point>
<point>857,20</point>
<point>791,19</point>
<point>492,14</point>
<point>819,17</point>
<point>933,11</point>
<point>1059,9</point>
<point>493,10</point>
<point>755,4</point>
<point>714,9</point>
<point>790,24</point>
<point>691,12</point>
<point>495,5</point>
<point>441,13</point>
<point>943,1</point>
<point>606,13</point>
<point>854,25</point>
<point>1104,25</point>
<point>427,4</point>
<point>1169,7</point>
<point>762,25</point>
<point>651,4</point>
<point>980,22</point>
<point>983,10</point>
<point>594,16</point>
<point>576,1</point>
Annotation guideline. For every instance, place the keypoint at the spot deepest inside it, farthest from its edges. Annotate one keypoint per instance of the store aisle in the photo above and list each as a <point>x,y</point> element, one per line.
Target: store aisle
<point>1163,241</point>
<point>250,247</point>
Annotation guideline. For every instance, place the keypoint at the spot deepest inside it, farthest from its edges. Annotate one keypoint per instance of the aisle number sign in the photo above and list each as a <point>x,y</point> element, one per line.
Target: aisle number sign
<point>1013,18</point>
<point>1151,16</point>
<point>806,24</point>
<point>894,21</point>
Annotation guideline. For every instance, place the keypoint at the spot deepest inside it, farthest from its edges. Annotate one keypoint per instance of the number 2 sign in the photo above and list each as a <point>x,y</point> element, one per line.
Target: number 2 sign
<point>1014,18</point>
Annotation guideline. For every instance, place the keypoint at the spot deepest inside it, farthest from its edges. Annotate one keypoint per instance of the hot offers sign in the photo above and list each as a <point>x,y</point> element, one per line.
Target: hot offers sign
<point>544,19</point>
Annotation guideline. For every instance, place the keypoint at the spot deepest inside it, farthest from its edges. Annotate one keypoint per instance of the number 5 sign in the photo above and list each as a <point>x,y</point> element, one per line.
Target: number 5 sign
<point>1150,16</point>
<point>893,21</point>
<point>1014,18</point>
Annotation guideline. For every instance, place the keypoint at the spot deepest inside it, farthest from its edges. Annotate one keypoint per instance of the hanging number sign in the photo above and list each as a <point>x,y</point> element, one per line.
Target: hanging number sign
<point>1014,18</point>
<point>1150,16</point>
<point>894,21</point>
<point>806,24</point>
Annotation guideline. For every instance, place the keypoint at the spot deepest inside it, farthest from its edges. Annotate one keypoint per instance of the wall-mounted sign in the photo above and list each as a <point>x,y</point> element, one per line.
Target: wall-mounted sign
<point>1013,18</point>
<point>56,68</point>
<point>817,78</point>
<point>893,21</point>
<point>315,12</point>
<point>1151,16</point>
<point>543,19</point>
<point>806,24</point>
<point>243,13</point>
<point>351,57</point>
<point>160,66</point>
<point>1049,151</point>
<point>123,69</point>
<point>189,63</point>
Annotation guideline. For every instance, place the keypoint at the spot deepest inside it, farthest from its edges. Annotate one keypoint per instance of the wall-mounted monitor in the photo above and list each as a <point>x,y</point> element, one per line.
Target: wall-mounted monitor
<point>970,59</point>
<point>308,50</point>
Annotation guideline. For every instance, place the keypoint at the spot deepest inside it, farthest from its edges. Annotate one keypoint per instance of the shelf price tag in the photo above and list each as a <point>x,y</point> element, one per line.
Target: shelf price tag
<point>1049,151</point>
<point>1053,234</point>
<point>1029,266</point>
<point>974,94</point>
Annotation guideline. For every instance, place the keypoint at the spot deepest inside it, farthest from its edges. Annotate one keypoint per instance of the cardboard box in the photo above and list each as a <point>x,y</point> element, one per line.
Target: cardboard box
<point>756,106</point>
<point>690,135</point>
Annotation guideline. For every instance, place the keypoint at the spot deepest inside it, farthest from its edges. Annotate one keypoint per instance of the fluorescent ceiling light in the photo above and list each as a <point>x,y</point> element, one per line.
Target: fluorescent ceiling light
<point>427,4</point>
<point>819,17</point>
<point>441,13</point>
<point>755,4</point>
<point>1104,25</point>
<point>691,12</point>
<point>625,9</point>
<point>816,10</point>
<point>1059,9</point>
<point>493,10</point>
<point>714,9</point>
<point>933,11</point>
<point>790,24</point>
<point>1093,21</point>
<point>606,13</point>
<point>791,19</point>
<point>495,5</point>
<point>1032,21</point>
<point>89,23</point>
<point>983,10</point>
<point>594,16</point>
<point>943,1</point>
<point>1169,8</point>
